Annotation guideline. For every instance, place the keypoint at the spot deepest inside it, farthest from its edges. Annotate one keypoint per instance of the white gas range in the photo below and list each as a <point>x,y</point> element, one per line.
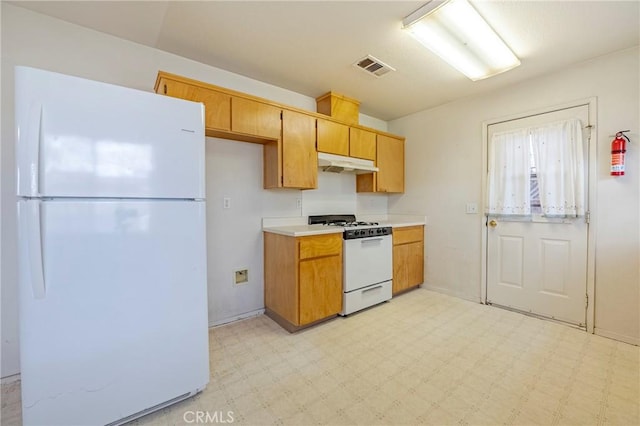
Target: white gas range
<point>367,261</point>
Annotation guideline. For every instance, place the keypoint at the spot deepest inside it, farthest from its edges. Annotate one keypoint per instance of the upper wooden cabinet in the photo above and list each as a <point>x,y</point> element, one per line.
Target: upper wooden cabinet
<point>255,118</point>
<point>292,160</point>
<point>291,137</point>
<point>362,143</point>
<point>228,114</point>
<point>333,138</point>
<point>217,105</point>
<point>339,107</point>
<point>390,162</point>
<point>299,156</point>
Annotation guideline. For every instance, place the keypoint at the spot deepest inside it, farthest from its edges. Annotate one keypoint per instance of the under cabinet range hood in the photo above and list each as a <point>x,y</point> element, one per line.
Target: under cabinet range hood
<point>341,164</point>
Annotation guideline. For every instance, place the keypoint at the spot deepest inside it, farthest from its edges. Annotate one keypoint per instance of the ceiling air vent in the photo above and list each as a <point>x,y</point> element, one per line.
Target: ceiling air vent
<point>373,66</point>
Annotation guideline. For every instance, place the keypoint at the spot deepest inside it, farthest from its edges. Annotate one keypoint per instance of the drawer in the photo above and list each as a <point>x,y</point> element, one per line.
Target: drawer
<point>362,298</point>
<point>409,234</point>
<point>320,245</point>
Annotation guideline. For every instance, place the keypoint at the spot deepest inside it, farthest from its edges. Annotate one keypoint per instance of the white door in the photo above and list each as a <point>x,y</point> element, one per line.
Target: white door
<point>538,264</point>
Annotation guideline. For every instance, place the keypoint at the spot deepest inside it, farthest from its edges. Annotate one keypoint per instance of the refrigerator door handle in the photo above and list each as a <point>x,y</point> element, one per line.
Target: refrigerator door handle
<point>33,145</point>
<point>30,221</point>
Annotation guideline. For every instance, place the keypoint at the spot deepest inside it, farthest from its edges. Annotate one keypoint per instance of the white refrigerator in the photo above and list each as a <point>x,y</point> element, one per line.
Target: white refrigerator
<point>112,273</point>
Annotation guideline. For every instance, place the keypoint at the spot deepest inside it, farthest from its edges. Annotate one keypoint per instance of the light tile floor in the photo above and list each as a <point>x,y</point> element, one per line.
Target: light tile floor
<point>423,358</point>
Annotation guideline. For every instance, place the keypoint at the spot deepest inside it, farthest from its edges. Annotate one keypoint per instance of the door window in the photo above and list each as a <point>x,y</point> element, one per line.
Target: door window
<point>537,171</point>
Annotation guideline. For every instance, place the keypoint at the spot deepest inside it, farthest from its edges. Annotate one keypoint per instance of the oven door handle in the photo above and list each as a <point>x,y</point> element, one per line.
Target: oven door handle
<point>371,289</point>
<point>368,240</point>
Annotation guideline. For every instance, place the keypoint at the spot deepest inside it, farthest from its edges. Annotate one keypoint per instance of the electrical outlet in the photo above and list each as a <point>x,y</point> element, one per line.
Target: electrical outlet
<point>472,208</point>
<point>241,276</point>
<point>226,203</point>
<point>298,203</point>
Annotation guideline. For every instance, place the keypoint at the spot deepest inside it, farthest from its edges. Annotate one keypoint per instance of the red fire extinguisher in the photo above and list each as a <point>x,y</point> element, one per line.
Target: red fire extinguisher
<point>618,148</point>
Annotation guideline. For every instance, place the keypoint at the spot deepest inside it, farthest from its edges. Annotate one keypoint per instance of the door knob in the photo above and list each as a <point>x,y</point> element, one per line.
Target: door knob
<point>493,223</point>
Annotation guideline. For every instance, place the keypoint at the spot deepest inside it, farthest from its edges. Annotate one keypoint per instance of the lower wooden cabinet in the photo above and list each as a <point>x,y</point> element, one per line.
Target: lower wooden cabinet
<point>302,278</point>
<point>408,258</point>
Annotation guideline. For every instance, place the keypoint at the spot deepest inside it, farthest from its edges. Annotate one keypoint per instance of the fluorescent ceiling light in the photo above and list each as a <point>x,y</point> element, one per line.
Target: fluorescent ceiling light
<point>453,30</point>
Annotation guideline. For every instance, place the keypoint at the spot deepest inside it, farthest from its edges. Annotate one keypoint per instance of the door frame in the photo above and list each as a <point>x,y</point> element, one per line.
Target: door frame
<point>591,102</point>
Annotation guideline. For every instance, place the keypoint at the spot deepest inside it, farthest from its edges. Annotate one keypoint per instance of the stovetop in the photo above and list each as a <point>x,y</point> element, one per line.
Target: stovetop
<point>352,224</point>
<point>352,228</point>
<point>343,220</point>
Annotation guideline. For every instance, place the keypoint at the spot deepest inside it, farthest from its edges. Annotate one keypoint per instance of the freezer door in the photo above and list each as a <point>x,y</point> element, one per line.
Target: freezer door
<point>118,323</point>
<point>81,138</point>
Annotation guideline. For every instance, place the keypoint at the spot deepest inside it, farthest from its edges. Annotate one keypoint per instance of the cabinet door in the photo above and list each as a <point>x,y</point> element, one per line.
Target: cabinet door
<point>217,105</point>
<point>255,118</point>
<point>415,264</point>
<point>362,144</point>
<point>408,266</point>
<point>333,138</point>
<point>280,281</point>
<point>320,288</point>
<point>400,270</point>
<point>390,161</point>
<point>408,257</point>
<point>299,156</point>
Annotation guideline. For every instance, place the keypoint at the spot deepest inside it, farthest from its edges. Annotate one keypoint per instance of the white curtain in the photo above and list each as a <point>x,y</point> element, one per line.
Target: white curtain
<point>509,173</point>
<point>559,158</point>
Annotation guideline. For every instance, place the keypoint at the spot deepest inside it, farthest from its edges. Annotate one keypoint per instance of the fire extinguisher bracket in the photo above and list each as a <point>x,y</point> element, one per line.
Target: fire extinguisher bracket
<point>618,149</point>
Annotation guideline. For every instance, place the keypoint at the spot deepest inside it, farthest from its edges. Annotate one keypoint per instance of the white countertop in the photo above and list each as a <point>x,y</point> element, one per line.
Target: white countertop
<point>303,230</point>
<point>297,227</point>
<point>400,224</point>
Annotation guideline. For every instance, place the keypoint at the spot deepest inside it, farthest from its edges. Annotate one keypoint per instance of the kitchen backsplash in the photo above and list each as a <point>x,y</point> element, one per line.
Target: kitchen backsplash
<point>336,193</point>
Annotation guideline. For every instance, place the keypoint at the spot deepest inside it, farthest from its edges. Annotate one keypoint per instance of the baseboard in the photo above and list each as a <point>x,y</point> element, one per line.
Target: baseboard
<point>240,317</point>
<point>617,336</point>
<point>10,379</point>
<point>448,292</point>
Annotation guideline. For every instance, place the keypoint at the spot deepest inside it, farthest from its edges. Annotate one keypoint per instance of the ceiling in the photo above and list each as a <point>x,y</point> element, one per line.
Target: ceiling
<point>310,46</point>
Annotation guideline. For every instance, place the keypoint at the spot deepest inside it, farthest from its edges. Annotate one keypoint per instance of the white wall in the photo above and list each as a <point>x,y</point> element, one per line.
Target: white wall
<point>234,169</point>
<point>444,172</point>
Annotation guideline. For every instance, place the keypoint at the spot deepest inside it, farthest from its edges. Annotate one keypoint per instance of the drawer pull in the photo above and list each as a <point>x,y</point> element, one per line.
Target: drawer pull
<point>371,289</point>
